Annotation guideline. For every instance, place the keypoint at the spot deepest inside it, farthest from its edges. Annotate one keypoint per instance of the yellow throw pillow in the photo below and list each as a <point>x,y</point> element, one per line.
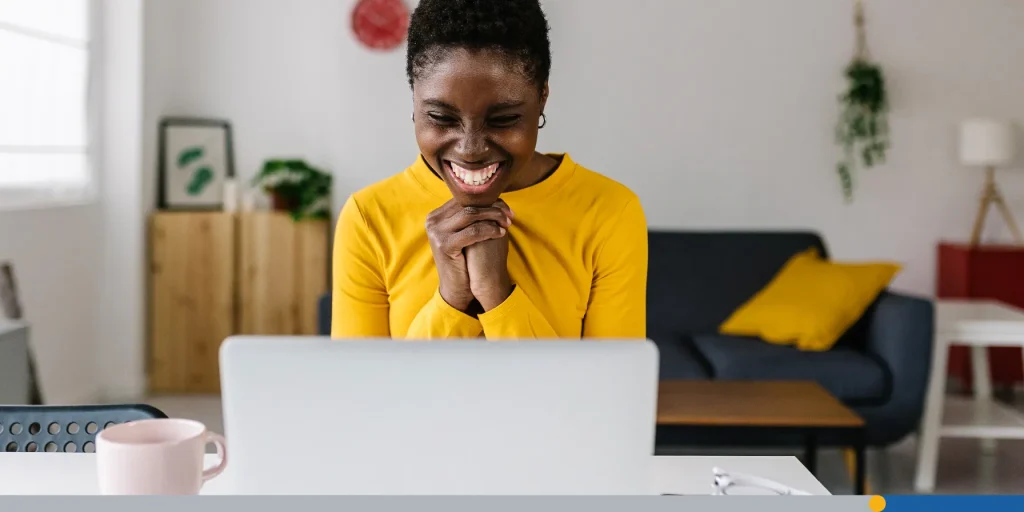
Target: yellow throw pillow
<point>811,302</point>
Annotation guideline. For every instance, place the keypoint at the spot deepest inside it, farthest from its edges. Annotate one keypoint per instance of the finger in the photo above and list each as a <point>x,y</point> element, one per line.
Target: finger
<point>476,233</point>
<point>505,207</point>
<point>470,215</point>
<point>444,211</point>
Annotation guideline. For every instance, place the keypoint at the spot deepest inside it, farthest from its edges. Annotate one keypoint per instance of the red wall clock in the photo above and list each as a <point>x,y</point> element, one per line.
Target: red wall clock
<point>380,24</point>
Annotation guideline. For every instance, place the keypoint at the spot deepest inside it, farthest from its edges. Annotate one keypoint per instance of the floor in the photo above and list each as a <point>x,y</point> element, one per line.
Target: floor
<point>963,469</point>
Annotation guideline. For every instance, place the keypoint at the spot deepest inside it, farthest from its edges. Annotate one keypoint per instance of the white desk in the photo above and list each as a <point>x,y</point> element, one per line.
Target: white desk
<point>979,324</point>
<point>75,473</point>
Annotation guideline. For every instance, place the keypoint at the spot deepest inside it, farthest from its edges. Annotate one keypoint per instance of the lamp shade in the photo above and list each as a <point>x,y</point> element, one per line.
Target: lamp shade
<point>986,142</point>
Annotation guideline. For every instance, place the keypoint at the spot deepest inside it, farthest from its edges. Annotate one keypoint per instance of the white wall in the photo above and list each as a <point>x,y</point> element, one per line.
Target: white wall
<point>78,267</point>
<point>289,77</point>
<point>120,322</point>
<point>719,114</point>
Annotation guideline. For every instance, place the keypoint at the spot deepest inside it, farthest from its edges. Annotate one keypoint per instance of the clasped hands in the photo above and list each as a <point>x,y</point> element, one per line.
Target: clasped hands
<point>470,248</point>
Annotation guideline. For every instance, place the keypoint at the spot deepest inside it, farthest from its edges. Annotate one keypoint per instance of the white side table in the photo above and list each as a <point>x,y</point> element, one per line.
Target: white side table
<point>979,324</point>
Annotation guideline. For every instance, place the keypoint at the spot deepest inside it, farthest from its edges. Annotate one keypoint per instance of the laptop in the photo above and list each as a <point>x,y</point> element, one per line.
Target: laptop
<point>311,415</point>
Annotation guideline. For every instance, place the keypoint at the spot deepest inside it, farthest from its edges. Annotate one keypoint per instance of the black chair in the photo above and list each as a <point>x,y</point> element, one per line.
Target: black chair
<point>63,428</point>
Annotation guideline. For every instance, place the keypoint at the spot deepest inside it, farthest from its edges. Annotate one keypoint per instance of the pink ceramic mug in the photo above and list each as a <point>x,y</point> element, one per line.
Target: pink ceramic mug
<point>157,456</point>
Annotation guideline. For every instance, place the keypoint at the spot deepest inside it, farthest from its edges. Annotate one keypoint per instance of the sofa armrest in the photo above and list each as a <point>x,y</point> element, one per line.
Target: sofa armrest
<point>323,315</point>
<point>900,334</point>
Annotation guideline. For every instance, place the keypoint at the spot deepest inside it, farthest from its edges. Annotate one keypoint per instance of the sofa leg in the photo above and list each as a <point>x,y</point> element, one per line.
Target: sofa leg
<point>853,466</point>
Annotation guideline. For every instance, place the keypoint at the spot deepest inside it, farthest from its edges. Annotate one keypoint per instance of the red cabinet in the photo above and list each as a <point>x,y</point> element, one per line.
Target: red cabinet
<point>983,272</point>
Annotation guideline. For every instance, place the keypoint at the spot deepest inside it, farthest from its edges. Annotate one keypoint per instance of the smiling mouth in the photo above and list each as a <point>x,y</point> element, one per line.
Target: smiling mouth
<point>474,181</point>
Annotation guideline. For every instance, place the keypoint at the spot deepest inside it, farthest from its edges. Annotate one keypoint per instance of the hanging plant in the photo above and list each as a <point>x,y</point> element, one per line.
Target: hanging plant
<point>863,127</point>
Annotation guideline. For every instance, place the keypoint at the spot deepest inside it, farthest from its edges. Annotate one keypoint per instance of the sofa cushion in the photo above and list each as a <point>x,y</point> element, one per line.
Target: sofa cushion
<point>850,376</point>
<point>811,302</point>
<point>695,279</point>
<point>678,360</point>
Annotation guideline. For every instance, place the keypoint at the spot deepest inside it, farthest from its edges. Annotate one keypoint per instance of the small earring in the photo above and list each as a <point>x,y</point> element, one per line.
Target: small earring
<point>543,118</point>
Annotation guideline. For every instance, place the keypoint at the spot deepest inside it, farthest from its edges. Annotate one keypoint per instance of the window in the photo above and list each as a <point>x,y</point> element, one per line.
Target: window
<point>44,101</point>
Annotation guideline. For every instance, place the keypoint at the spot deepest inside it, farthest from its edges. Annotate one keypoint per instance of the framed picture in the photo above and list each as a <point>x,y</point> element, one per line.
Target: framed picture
<point>195,159</point>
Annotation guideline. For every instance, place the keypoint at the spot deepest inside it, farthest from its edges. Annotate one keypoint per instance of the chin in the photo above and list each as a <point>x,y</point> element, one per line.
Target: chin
<point>476,185</point>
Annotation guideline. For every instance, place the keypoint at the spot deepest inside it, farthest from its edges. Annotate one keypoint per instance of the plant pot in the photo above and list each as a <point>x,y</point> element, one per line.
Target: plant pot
<point>280,202</point>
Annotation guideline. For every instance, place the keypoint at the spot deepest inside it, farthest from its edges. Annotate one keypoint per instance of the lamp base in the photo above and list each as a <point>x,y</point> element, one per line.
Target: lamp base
<point>991,194</point>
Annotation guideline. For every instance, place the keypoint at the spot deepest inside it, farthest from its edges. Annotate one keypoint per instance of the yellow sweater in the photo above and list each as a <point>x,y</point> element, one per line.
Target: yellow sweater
<point>577,257</point>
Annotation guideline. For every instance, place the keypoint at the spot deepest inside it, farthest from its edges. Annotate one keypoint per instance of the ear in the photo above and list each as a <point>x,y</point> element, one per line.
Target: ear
<point>544,96</point>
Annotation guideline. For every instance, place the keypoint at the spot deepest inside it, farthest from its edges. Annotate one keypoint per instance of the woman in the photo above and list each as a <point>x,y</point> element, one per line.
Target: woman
<point>482,235</point>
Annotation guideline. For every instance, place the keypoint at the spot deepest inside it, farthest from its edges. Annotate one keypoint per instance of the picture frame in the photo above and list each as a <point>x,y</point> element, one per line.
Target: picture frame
<point>196,159</point>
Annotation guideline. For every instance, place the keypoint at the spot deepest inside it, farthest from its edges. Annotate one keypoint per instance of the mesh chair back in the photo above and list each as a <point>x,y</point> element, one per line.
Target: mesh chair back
<point>46,428</point>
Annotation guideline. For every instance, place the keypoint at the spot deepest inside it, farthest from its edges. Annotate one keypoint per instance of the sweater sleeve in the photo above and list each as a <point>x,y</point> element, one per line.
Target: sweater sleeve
<point>516,318</point>
<point>618,295</point>
<point>438,319</point>
<point>359,298</point>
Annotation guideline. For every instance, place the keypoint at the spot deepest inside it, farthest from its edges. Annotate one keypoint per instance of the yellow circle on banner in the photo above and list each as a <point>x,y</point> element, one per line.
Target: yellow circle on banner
<point>876,504</point>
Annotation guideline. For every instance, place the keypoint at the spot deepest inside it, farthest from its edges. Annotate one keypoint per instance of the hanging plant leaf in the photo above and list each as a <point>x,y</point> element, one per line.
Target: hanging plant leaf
<point>845,179</point>
<point>862,129</point>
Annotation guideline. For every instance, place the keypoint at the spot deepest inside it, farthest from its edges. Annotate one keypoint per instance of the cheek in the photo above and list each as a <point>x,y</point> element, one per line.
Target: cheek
<point>517,142</point>
<point>520,143</point>
<point>431,140</point>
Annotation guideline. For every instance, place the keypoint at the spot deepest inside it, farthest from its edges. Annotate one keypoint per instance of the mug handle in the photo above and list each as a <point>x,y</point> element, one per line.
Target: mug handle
<point>222,452</point>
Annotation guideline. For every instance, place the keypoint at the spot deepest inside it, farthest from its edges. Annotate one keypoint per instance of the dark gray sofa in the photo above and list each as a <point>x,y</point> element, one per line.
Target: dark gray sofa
<point>696,279</point>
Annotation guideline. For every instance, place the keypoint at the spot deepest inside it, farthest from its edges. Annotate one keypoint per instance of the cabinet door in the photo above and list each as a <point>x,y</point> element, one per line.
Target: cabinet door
<point>313,259</point>
<point>267,274</point>
<point>192,299</point>
<point>283,271</point>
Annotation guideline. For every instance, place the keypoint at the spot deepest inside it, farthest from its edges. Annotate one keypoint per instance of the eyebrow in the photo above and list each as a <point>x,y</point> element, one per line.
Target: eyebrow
<point>505,105</point>
<point>439,103</point>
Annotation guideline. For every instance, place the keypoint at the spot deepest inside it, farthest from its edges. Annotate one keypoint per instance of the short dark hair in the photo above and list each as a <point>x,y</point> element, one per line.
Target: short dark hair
<point>516,28</point>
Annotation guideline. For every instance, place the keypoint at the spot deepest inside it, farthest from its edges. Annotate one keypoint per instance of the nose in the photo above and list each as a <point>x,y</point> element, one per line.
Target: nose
<point>472,147</point>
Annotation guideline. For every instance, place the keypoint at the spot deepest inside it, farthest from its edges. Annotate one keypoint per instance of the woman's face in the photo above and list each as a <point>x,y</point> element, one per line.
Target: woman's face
<point>477,117</point>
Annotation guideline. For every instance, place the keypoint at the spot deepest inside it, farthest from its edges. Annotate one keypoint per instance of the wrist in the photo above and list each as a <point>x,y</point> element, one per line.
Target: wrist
<point>459,301</point>
<point>494,295</point>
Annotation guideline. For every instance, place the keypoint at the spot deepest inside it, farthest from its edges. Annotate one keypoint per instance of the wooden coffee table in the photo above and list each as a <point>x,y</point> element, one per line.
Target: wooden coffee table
<point>803,406</point>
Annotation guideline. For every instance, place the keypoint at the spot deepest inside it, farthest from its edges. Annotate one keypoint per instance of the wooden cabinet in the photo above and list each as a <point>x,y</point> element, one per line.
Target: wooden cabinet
<point>214,274</point>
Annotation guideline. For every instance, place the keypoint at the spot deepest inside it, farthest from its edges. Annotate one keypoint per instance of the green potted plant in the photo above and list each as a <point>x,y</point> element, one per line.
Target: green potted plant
<point>296,187</point>
<point>863,127</point>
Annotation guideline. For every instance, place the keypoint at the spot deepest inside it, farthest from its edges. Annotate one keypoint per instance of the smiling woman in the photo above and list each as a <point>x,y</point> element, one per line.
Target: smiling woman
<point>482,235</point>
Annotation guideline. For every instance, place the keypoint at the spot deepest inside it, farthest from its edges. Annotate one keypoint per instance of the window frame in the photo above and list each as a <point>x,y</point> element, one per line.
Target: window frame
<point>56,195</point>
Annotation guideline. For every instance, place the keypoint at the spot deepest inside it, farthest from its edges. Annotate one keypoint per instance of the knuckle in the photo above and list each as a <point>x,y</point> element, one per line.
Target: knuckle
<point>471,210</point>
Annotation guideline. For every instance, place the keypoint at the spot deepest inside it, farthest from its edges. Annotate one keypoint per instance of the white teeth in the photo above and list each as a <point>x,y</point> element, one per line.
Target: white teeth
<point>474,177</point>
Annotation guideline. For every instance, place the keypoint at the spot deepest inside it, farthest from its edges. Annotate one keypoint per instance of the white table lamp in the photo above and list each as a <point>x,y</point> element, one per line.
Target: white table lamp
<point>989,143</point>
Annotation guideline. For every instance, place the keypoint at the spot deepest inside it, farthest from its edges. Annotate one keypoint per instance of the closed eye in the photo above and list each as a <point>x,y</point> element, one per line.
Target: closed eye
<point>442,119</point>
<point>505,121</point>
